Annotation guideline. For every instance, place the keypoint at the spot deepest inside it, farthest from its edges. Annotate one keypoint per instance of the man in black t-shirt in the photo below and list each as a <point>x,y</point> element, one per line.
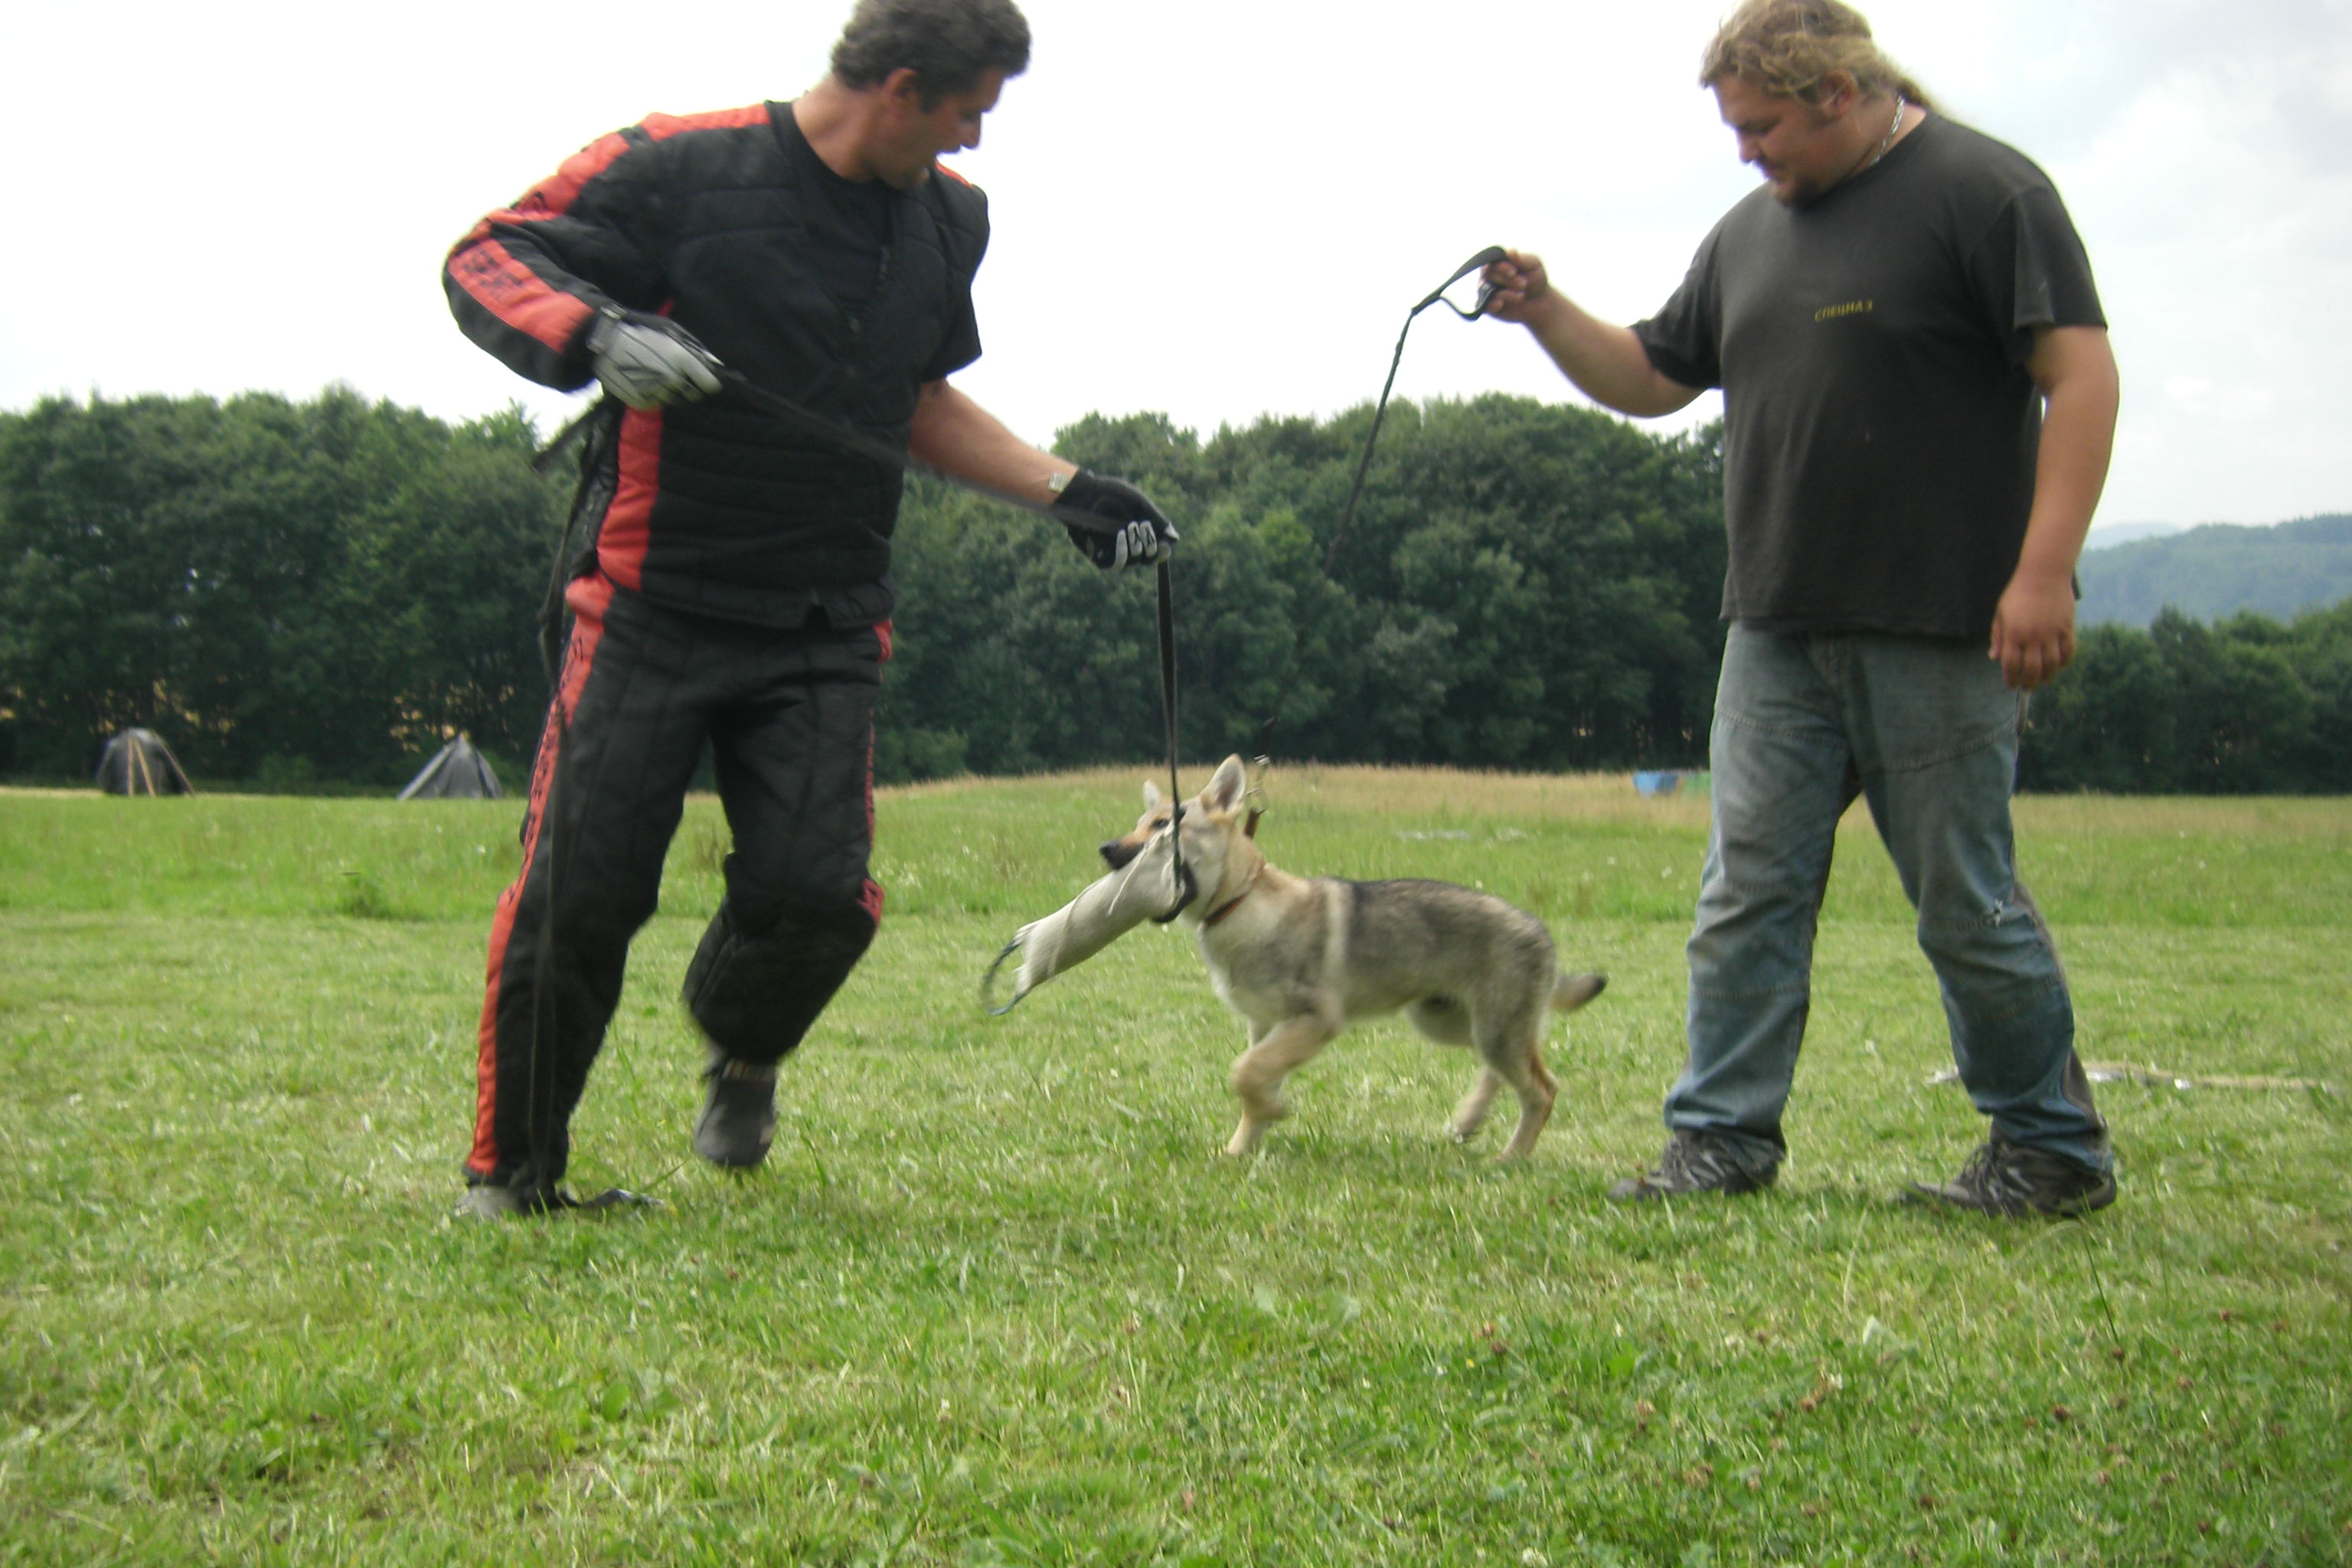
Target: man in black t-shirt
<point>736,592</point>
<point>1918,405</point>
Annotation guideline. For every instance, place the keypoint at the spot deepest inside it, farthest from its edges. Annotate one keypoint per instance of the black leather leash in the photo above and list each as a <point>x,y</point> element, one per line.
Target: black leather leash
<point>1487,258</point>
<point>1185,889</point>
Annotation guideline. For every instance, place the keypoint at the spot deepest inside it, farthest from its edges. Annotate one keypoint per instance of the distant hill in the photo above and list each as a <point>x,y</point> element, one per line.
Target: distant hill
<point>2218,569</point>
<point>2107,534</point>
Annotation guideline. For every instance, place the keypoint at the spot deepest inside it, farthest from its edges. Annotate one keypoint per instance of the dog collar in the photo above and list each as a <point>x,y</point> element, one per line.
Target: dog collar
<point>1222,911</point>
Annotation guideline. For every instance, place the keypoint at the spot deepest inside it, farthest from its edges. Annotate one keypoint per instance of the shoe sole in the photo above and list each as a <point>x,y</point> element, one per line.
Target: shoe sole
<point>2071,1208</point>
<point>1641,1190</point>
<point>731,1156</point>
<point>488,1203</point>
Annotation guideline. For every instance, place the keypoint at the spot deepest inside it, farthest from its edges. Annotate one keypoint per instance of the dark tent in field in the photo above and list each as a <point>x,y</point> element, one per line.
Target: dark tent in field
<point>136,762</point>
<point>456,772</point>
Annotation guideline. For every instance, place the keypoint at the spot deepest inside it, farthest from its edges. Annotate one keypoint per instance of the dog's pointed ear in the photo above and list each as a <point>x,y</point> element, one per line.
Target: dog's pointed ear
<point>1151,798</point>
<point>1226,788</point>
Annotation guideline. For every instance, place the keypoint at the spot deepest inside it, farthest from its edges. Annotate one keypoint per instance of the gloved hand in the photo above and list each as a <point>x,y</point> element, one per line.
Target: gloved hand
<point>1144,532</point>
<point>648,361</point>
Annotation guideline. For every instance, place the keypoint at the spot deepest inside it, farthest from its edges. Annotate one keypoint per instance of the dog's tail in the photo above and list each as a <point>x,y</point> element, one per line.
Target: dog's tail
<point>1570,992</point>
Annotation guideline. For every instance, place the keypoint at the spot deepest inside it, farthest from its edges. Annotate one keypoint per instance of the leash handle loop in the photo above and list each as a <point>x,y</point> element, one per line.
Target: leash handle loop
<point>1477,263</point>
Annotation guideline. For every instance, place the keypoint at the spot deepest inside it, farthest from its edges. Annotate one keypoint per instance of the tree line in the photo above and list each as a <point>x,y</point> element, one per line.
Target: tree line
<point>315,593</point>
<point>1521,586</point>
<point>287,592</point>
<point>2248,705</point>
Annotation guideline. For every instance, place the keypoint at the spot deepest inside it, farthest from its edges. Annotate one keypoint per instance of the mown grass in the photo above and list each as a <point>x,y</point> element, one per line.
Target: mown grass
<point>995,1299</point>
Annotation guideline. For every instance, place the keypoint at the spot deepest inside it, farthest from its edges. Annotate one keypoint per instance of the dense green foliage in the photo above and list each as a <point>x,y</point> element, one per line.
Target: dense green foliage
<point>2220,569</point>
<point>2245,707</point>
<point>323,591</point>
<point>286,591</point>
<point>1522,586</point>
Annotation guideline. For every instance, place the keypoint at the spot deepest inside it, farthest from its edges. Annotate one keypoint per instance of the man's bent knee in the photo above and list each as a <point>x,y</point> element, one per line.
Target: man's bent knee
<point>755,993</point>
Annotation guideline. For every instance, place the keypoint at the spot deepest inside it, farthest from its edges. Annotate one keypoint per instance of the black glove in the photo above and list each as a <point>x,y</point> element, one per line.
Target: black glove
<point>649,361</point>
<point>1144,532</point>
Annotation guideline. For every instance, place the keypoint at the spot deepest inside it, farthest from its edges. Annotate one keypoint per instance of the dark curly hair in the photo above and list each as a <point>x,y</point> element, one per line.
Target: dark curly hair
<point>949,44</point>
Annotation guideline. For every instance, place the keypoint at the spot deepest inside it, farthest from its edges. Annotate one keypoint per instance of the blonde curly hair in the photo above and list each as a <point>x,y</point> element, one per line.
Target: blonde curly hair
<point>1789,47</point>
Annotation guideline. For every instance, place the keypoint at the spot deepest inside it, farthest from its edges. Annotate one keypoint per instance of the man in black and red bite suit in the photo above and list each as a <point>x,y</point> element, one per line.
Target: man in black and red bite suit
<point>738,591</point>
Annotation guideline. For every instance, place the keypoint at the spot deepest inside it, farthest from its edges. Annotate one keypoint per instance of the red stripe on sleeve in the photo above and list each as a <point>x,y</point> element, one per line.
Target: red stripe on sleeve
<point>555,196</point>
<point>510,290</point>
<point>515,295</point>
<point>661,126</point>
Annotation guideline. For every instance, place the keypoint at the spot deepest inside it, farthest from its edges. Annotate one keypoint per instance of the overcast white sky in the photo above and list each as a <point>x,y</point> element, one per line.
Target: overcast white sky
<point>1213,210</point>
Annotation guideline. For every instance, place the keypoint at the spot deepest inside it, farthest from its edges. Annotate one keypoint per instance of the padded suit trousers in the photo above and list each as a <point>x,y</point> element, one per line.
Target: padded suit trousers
<point>789,716</point>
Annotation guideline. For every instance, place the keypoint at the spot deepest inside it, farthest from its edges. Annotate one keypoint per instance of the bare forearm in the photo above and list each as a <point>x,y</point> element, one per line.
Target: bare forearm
<point>955,435</point>
<point>1606,362</point>
<point>2078,427</point>
<point>2033,626</point>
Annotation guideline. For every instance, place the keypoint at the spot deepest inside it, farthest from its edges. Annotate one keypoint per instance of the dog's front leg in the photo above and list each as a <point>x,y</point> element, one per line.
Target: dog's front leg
<point>1258,1073</point>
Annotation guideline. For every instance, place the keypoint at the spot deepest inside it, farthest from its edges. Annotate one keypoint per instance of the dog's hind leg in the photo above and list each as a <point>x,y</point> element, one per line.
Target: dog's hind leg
<point>1447,1022</point>
<point>1258,1073</point>
<point>1536,1096</point>
<point>1471,1114</point>
<point>1512,1047</point>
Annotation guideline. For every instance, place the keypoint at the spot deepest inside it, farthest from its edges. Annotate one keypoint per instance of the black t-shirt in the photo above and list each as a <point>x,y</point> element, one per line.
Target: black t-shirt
<point>1880,429</point>
<point>852,227</point>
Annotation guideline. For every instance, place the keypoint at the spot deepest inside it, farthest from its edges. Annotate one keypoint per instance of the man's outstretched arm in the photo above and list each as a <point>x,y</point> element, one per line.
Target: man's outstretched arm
<point>956,436</point>
<point>1607,362</point>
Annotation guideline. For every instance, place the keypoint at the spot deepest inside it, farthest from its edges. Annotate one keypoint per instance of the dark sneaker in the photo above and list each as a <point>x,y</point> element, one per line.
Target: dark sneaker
<point>1697,1163</point>
<point>739,1112</point>
<point>499,1200</point>
<point>487,1202</point>
<point>2008,1179</point>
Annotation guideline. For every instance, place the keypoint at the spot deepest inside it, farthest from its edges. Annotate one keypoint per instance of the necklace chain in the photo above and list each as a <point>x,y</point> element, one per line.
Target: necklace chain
<point>1888,140</point>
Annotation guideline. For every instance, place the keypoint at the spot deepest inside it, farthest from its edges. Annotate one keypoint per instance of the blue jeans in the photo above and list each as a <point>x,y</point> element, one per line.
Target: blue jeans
<point>1924,729</point>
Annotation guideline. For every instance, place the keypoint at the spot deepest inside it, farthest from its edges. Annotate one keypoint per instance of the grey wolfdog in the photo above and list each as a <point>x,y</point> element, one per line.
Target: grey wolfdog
<point>1300,958</point>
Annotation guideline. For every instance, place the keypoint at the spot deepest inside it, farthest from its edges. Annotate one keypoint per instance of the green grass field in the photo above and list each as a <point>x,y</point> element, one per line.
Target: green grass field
<point>996,1298</point>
